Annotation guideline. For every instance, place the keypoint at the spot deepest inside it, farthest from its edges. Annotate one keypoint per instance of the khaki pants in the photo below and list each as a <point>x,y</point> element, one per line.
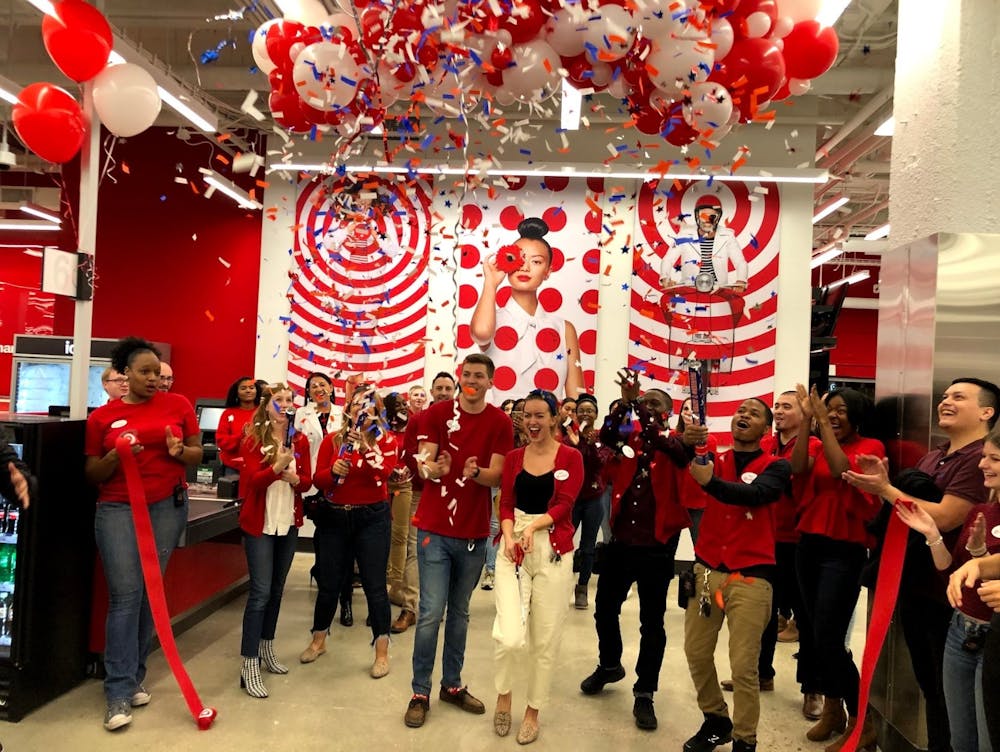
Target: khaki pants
<point>400,495</point>
<point>747,612</point>
<point>406,588</point>
<point>530,613</point>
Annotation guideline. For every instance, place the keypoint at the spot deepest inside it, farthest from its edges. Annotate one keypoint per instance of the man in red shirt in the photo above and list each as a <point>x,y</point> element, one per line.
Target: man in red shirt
<point>459,461</point>
<point>734,568</point>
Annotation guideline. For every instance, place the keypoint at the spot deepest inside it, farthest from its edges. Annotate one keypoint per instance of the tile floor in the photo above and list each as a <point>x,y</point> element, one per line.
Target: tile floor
<point>334,705</point>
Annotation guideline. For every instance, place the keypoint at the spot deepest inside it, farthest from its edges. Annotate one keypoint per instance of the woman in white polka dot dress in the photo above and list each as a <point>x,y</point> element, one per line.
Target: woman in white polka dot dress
<point>531,348</point>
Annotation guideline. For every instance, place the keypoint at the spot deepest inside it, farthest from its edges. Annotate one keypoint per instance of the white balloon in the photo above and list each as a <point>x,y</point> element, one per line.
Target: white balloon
<point>609,33</point>
<point>258,47</point>
<point>619,87</point>
<point>126,99</point>
<point>326,76</point>
<point>534,77</point>
<point>722,37</point>
<point>684,60</point>
<point>343,20</point>
<point>758,24</point>
<point>710,108</point>
<point>306,12</point>
<point>565,29</point>
<point>504,96</point>
<point>782,27</point>
<point>450,93</point>
<point>683,19</point>
<point>799,86</point>
<point>601,74</point>
<point>661,100</point>
<point>800,10</point>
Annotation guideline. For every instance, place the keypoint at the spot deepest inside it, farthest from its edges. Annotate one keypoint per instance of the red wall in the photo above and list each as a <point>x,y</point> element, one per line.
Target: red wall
<point>158,270</point>
<point>857,329</point>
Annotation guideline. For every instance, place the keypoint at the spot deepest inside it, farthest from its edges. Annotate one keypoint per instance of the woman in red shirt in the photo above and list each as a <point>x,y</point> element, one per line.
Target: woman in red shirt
<point>832,552</point>
<point>353,520</point>
<point>534,570</point>
<point>276,471</point>
<point>241,401</point>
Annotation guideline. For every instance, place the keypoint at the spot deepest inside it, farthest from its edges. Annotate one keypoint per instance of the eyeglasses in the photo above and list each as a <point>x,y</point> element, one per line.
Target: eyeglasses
<point>168,379</point>
<point>119,380</point>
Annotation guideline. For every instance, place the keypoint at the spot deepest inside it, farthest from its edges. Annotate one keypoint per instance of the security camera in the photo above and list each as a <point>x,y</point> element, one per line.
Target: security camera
<point>8,160</point>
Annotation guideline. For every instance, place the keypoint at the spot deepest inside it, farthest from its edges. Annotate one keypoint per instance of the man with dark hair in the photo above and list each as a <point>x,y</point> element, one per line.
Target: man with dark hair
<point>734,571</point>
<point>966,412</point>
<point>443,387</point>
<point>459,459</point>
<point>646,522</point>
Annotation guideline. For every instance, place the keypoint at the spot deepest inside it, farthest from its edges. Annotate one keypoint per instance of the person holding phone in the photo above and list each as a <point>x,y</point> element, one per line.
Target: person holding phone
<point>276,471</point>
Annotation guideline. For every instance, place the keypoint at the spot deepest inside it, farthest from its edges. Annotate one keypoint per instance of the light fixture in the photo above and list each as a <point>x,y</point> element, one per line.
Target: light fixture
<point>9,90</point>
<point>856,277</point>
<point>572,98</point>
<point>827,255</point>
<point>831,11</point>
<point>41,212</point>
<point>888,128</point>
<point>32,225</point>
<point>878,232</point>
<point>45,6</point>
<point>237,194</point>
<point>830,206</point>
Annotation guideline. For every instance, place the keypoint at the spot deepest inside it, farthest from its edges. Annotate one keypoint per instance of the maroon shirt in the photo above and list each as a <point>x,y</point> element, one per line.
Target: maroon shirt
<point>972,604</point>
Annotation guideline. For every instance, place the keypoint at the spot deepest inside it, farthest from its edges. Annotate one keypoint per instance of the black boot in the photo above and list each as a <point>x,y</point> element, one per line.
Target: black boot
<point>714,732</point>
<point>346,613</point>
<point>741,746</point>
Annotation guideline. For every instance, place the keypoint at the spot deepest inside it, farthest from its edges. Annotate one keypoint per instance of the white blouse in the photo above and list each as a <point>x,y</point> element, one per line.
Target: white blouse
<point>279,508</point>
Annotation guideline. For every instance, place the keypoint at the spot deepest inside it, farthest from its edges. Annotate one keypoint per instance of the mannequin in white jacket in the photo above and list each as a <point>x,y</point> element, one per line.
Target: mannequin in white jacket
<point>696,244</point>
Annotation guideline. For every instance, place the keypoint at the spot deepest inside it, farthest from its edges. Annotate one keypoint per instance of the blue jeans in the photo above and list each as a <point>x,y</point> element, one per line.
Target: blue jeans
<point>269,558</point>
<point>129,627</point>
<point>449,570</point>
<point>963,687</point>
<point>491,548</point>
<point>587,512</point>
<point>364,533</point>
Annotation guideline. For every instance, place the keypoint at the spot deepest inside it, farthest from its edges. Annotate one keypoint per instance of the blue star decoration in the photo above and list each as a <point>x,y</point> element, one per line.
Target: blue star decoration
<point>625,286</point>
<point>626,249</point>
<point>448,203</point>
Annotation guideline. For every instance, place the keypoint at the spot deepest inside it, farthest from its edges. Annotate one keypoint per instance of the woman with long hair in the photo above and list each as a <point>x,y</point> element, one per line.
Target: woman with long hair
<point>535,568</point>
<point>166,440</point>
<point>241,402</point>
<point>587,511</point>
<point>831,553</point>
<point>276,470</point>
<point>353,470</point>
<point>401,494</point>
<point>970,624</point>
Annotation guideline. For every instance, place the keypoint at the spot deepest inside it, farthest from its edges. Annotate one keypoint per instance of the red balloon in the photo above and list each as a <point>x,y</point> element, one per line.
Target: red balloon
<point>680,133</point>
<point>577,70</point>
<point>810,49</point>
<point>286,107</point>
<point>279,38</point>
<point>49,122</point>
<point>373,28</point>
<point>751,66</point>
<point>782,93</point>
<point>649,121</point>
<point>524,28</point>
<point>738,18</point>
<point>78,39</point>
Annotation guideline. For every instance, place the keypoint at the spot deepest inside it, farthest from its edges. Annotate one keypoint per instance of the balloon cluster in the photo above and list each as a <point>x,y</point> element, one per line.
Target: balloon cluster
<point>688,69</point>
<point>49,120</point>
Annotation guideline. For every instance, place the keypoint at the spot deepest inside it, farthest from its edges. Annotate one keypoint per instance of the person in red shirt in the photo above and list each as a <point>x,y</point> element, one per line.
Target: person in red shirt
<point>734,571</point>
<point>241,402</point>
<point>460,460</point>
<point>275,472</point>
<point>353,470</point>
<point>832,551</point>
<point>167,440</point>
<point>535,566</point>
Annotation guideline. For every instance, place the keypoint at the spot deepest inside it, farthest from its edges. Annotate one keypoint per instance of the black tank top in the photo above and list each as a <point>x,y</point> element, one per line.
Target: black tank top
<point>533,492</point>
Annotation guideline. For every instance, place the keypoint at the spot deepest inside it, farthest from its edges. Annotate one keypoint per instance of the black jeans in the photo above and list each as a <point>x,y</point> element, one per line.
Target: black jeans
<point>651,568</point>
<point>830,583</point>
<point>924,622</point>
<point>344,533</point>
<point>587,512</point>
<point>785,602</point>
<point>991,681</point>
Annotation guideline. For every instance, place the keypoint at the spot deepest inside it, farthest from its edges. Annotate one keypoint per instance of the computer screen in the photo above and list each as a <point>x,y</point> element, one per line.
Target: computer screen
<point>38,385</point>
<point>208,417</point>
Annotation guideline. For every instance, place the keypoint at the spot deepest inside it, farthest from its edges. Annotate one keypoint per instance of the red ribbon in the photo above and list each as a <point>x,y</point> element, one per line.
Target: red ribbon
<point>146,543</point>
<point>890,571</point>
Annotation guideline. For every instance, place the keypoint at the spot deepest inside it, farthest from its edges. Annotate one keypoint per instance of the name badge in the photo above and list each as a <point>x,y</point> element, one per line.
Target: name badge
<point>119,423</point>
<point>561,474</point>
<point>995,532</point>
<point>748,477</point>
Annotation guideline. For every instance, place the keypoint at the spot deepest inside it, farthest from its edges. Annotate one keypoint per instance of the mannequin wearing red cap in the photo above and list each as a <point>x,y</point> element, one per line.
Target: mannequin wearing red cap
<point>705,248</point>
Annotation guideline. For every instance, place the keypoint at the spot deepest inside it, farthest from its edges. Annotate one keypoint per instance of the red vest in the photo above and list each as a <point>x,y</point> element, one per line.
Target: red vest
<point>737,537</point>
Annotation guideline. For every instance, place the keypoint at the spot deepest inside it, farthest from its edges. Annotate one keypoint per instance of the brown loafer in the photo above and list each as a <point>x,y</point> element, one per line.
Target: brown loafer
<point>501,722</point>
<point>416,711</point>
<point>462,699</point>
<point>406,620</point>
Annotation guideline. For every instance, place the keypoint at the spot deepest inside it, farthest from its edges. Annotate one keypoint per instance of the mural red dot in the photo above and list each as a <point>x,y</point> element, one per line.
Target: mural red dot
<point>504,378</point>
<point>547,340</point>
<point>550,299</point>
<point>592,221</point>
<point>510,217</point>
<point>464,337</point>
<point>469,257</point>
<point>467,296</point>
<point>555,218</point>
<point>558,259</point>
<point>588,341</point>
<point>556,182</point>
<point>503,296</point>
<point>515,182</point>
<point>588,301</point>
<point>596,184</point>
<point>588,380</point>
<point>592,261</point>
<point>472,216</point>
<point>546,378</point>
<point>505,338</point>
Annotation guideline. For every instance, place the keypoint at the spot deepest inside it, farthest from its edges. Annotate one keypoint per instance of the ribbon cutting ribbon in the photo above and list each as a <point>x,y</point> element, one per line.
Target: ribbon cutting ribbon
<point>146,543</point>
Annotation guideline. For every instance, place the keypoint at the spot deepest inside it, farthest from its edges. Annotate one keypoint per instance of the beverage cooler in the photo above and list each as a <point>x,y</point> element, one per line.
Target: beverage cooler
<point>46,561</point>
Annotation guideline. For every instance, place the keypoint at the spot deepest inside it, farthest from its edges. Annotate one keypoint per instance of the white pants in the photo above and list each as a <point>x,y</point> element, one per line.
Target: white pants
<point>530,613</point>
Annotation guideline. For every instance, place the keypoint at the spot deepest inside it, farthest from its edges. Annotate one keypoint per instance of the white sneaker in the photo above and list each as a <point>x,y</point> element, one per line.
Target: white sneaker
<point>118,714</point>
<point>141,697</point>
<point>488,580</point>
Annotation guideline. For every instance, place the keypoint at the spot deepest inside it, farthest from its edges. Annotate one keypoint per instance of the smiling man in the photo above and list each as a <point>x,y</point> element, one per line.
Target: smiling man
<point>734,568</point>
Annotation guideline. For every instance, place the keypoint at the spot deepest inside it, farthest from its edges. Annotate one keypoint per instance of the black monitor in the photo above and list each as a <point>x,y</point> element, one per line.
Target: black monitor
<point>209,412</point>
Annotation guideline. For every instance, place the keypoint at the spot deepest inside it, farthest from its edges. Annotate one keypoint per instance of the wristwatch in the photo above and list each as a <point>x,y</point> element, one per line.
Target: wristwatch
<point>478,470</point>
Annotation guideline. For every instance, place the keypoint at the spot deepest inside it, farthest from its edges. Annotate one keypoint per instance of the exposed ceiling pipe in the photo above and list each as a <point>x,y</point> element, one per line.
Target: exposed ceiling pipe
<point>843,160</point>
<point>871,107</point>
<point>853,220</point>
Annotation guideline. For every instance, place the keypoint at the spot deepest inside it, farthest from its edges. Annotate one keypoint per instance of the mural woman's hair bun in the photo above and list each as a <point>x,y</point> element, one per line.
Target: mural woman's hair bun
<point>533,228</point>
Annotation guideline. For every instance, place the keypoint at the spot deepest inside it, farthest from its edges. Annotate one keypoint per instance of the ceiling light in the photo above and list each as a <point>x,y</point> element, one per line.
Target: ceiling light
<point>237,194</point>
<point>9,90</point>
<point>888,128</point>
<point>831,11</point>
<point>45,6</point>
<point>28,224</point>
<point>827,255</point>
<point>830,206</point>
<point>878,232</point>
<point>572,98</point>
<point>858,277</point>
<point>41,212</point>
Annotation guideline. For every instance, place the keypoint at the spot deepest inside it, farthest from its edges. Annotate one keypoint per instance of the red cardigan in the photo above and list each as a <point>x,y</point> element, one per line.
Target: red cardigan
<point>560,508</point>
<point>368,479</point>
<point>229,434</point>
<point>256,475</point>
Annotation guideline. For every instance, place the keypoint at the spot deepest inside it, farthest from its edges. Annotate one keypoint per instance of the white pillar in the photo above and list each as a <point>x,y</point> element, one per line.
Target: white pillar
<point>792,322</point>
<point>276,237</point>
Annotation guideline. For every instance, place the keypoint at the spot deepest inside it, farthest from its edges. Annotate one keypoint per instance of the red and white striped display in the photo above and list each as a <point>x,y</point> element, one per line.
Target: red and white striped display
<point>359,281</point>
<point>744,349</point>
